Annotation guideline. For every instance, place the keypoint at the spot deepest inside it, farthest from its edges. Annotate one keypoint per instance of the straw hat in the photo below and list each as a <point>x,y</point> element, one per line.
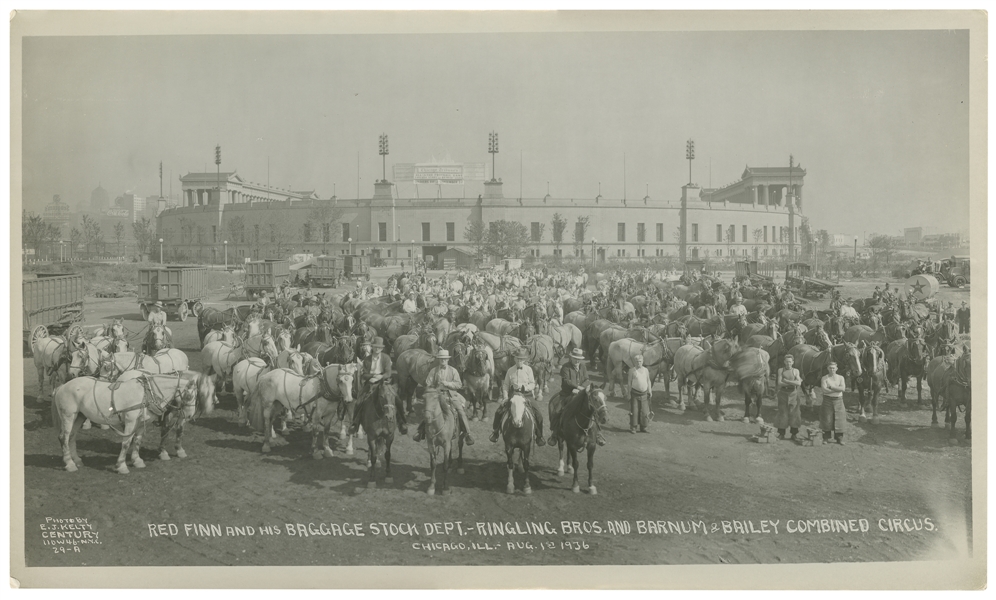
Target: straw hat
<point>577,353</point>
<point>377,343</point>
<point>443,354</point>
<point>158,304</point>
<point>522,353</point>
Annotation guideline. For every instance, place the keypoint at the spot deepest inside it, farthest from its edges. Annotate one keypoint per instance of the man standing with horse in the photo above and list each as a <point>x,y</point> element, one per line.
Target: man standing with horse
<point>157,317</point>
<point>375,369</point>
<point>445,381</point>
<point>964,318</point>
<point>573,379</point>
<point>519,380</point>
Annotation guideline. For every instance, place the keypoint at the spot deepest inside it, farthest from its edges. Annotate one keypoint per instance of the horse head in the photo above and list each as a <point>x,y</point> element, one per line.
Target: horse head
<point>283,341</point>
<point>344,380</point>
<point>517,407</point>
<point>460,357</point>
<point>848,357</point>
<point>115,329</point>
<point>595,398</point>
<point>295,361</point>
<point>268,347</point>
<point>118,344</point>
<point>158,334</point>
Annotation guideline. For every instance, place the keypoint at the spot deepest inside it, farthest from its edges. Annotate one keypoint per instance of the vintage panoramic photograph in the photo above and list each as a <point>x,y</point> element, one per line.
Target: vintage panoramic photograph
<point>280,308</point>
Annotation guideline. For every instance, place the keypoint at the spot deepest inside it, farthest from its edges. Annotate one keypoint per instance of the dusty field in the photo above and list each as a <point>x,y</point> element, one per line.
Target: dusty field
<point>721,498</point>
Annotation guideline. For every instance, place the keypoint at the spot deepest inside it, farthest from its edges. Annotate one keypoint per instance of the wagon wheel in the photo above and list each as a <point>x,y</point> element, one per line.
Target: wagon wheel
<point>198,307</point>
<point>39,332</point>
<point>145,312</point>
<point>182,311</point>
<point>74,332</point>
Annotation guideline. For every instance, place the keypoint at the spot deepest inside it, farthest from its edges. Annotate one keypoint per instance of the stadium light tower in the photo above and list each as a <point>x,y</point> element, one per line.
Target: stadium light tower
<point>383,154</point>
<point>492,150</point>
<point>217,162</point>
<point>690,156</point>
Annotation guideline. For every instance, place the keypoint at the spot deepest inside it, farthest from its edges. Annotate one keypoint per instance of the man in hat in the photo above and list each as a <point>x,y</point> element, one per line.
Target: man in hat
<point>375,369</point>
<point>157,317</point>
<point>445,381</point>
<point>519,380</point>
<point>573,379</point>
<point>964,318</point>
<point>409,305</point>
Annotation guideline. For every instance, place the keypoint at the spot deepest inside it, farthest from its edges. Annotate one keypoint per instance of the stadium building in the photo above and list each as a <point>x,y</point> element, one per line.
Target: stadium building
<point>755,217</point>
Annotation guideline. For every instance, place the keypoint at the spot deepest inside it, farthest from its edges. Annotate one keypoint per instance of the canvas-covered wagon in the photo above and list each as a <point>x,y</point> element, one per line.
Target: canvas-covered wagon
<point>52,304</point>
<point>179,288</point>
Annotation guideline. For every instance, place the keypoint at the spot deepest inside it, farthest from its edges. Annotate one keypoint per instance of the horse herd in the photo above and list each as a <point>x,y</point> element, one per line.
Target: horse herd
<point>300,358</point>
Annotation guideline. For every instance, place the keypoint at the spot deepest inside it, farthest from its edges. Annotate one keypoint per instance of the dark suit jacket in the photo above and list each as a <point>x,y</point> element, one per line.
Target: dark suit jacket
<point>386,366</point>
<point>570,379</point>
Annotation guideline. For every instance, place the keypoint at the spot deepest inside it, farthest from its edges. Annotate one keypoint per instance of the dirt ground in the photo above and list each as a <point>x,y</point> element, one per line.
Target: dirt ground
<point>689,492</point>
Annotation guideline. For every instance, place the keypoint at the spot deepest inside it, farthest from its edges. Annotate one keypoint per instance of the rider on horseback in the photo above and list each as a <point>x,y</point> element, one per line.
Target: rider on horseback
<point>573,379</point>
<point>376,368</point>
<point>156,317</point>
<point>519,380</point>
<point>445,381</point>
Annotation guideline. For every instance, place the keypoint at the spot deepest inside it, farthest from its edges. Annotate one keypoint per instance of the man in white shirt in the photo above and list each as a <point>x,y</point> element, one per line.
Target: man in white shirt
<point>640,388</point>
<point>410,306</point>
<point>832,414</point>
<point>519,380</point>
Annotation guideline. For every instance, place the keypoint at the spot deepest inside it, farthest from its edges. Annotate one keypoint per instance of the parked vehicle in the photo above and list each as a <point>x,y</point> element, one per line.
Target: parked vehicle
<point>179,288</point>
<point>266,276</point>
<point>799,280</point>
<point>956,271</point>
<point>52,304</point>
<point>356,266</point>
<point>326,270</point>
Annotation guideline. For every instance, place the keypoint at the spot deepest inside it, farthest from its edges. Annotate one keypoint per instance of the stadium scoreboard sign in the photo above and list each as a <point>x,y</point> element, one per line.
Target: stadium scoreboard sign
<point>438,174</point>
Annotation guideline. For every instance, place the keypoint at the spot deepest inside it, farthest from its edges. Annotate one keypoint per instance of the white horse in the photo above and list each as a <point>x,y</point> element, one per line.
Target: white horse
<point>170,360</point>
<point>122,407</point>
<point>225,334</point>
<point>220,357</point>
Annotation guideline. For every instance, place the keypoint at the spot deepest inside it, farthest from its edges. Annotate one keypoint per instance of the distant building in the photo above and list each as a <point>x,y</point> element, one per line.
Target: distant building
<point>913,236</point>
<point>57,213</point>
<point>100,200</point>
<point>842,239</point>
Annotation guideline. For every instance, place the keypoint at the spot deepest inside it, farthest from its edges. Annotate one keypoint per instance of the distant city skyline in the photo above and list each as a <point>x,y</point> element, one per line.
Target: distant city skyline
<point>878,119</point>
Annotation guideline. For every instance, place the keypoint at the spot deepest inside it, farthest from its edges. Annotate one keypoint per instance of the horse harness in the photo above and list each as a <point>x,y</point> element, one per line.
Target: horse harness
<point>157,403</point>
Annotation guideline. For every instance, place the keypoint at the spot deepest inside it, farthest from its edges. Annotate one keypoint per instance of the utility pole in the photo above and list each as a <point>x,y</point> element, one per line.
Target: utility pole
<point>791,207</point>
<point>624,176</point>
<point>160,179</point>
<point>267,178</point>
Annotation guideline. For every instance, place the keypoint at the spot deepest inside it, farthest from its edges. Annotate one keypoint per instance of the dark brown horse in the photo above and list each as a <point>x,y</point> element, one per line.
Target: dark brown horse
<point>573,429</point>
<point>872,380</point>
<point>477,382</point>
<point>379,422</point>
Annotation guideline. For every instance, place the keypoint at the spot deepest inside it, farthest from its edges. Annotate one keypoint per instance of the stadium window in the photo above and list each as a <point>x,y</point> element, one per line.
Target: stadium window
<point>621,233</point>
<point>450,232</point>
<point>382,232</point>
<point>534,231</point>
<point>345,232</point>
<point>641,232</point>
<point>660,232</point>
<point>425,232</point>
<point>744,237</point>
<point>765,229</point>
<point>719,233</point>
<point>410,253</point>
<point>307,232</point>
<point>695,233</point>
<point>558,252</point>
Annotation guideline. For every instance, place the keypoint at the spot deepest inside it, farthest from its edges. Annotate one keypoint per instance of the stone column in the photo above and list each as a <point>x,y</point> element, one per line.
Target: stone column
<point>766,195</point>
<point>753,195</point>
<point>798,197</point>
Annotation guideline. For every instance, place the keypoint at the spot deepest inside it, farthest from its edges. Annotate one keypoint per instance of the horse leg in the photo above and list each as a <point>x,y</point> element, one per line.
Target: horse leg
<point>372,444</point>
<point>163,432</point>
<point>873,394</point>
<point>524,454</point>
<point>573,453</point>
<point>69,424</point>
<point>447,455</point>
<point>919,390</point>
<point>136,446</point>
<point>121,467</point>
<point>387,461</point>
<point>933,407</point>
<point>950,421</point>
<point>460,470</point>
<point>968,420</point>
<point>861,402</point>
<point>267,425</point>
<point>510,454</point>
<point>591,470</point>
<point>902,388</point>
<point>747,399</point>
<point>719,403</point>
<point>432,469</point>
<point>318,437</point>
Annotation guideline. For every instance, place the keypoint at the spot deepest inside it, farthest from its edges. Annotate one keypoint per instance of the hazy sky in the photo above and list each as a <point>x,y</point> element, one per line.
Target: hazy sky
<point>878,119</point>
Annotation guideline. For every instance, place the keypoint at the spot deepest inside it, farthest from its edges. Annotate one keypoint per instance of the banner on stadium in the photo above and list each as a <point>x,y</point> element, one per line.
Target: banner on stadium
<point>438,174</point>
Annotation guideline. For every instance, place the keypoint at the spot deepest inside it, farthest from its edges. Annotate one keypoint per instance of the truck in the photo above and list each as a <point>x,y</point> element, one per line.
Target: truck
<point>326,270</point>
<point>356,266</point>
<point>266,276</point>
<point>956,271</point>
<point>179,288</point>
<point>799,280</point>
<point>52,304</point>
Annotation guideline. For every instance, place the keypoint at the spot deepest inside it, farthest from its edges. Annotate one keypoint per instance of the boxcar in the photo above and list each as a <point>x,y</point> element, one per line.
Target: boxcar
<point>266,276</point>
<point>52,303</point>
<point>179,288</point>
